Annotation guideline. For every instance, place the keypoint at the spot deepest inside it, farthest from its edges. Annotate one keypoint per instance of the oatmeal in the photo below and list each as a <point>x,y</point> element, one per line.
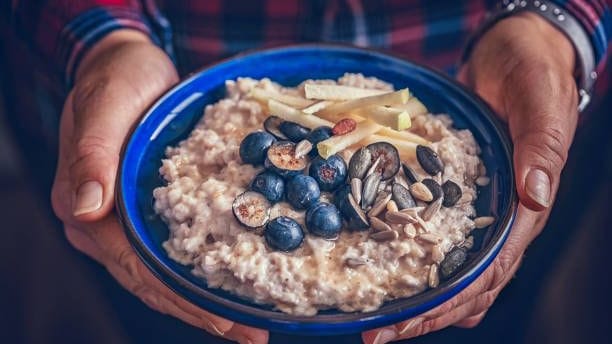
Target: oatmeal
<point>304,217</point>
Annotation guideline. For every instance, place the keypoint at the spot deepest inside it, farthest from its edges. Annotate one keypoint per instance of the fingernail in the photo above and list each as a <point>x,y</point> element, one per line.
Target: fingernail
<point>537,186</point>
<point>410,324</point>
<point>215,328</point>
<point>384,336</point>
<point>88,198</point>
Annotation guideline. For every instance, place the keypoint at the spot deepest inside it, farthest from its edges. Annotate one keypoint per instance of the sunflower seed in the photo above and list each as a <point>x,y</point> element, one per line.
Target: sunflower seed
<point>399,218</point>
<point>402,196</point>
<point>392,206</point>
<point>360,163</point>
<point>411,176</point>
<point>434,278</point>
<point>483,221</point>
<point>452,193</point>
<point>414,212</point>
<point>379,205</point>
<point>430,238</point>
<point>373,167</point>
<point>378,225</point>
<point>355,262</point>
<point>431,210</point>
<point>482,169</point>
<point>482,181</point>
<point>421,192</point>
<point>370,189</point>
<point>384,236</point>
<point>356,189</point>
<point>436,253</point>
<point>410,230</point>
<point>429,160</point>
<point>468,243</point>
<point>302,148</point>
<point>434,187</point>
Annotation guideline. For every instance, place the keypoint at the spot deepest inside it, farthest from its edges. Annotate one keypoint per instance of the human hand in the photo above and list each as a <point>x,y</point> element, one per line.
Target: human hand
<point>116,82</point>
<point>523,68</point>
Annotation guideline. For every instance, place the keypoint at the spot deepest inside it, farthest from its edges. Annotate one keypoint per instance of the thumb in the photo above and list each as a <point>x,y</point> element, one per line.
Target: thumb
<point>542,129</point>
<point>104,113</point>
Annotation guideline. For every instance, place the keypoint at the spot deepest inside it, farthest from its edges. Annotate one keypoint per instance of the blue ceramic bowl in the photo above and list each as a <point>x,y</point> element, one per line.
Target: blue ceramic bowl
<point>174,115</point>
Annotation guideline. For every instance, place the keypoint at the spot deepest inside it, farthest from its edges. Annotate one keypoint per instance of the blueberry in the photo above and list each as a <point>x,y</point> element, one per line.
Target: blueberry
<point>283,234</point>
<point>317,135</point>
<point>281,159</point>
<point>269,184</point>
<point>254,147</point>
<point>329,173</point>
<point>293,131</point>
<point>302,191</point>
<point>323,219</point>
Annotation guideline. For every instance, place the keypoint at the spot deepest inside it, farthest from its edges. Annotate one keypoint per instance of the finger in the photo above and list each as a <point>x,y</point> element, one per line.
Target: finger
<point>104,111</point>
<point>247,335</point>
<point>126,267</point>
<point>472,321</point>
<point>542,119</point>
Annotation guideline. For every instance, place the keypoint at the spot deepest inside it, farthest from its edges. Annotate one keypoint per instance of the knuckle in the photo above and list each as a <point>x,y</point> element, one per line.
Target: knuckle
<point>91,149</point>
<point>426,327</point>
<point>548,145</point>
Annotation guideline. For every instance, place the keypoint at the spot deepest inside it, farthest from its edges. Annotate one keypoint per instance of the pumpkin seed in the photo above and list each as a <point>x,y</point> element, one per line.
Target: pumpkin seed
<point>360,163</point>
<point>452,193</point>
<point>411,176</point>
<point>429,160</point>
<point>434,187</point>
<point>451,263</point>
<point>402,196</point>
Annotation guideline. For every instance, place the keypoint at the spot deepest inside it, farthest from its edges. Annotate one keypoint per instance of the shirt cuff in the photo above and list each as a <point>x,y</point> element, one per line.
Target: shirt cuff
<point>84,31</point>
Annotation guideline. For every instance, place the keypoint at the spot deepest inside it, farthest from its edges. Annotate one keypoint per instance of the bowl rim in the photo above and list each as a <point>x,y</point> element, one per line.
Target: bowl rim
<point>320,324</point>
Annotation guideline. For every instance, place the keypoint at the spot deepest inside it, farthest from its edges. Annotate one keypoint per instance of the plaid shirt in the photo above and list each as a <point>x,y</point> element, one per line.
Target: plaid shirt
<point>50,38</point>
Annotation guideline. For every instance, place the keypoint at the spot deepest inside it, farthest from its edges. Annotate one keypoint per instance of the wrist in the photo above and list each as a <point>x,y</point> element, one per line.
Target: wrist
<point>111,42</point>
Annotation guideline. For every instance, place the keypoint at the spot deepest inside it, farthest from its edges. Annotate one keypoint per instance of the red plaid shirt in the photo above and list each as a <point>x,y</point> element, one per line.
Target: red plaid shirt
<point>197,32</point>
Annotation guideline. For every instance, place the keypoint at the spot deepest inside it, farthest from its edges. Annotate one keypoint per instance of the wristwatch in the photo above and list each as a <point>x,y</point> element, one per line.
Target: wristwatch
<point>564,22</point>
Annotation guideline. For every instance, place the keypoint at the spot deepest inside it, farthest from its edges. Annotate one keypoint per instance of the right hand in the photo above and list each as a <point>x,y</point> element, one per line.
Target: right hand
<point>116,82</point>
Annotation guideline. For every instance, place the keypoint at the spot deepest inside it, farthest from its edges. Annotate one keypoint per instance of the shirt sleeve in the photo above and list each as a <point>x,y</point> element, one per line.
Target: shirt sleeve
<point>61,31</point>
<point>596,18</point>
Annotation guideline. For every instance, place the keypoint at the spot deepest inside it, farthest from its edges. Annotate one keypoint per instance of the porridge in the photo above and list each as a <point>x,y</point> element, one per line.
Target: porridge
<point>319,196</point>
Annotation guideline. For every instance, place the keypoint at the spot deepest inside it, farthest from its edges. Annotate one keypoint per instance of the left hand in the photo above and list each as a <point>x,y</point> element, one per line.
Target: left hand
<point>523,67</point>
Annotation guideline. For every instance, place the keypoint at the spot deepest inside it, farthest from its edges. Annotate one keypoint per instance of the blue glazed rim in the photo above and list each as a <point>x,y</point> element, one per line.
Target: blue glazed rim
<point>327,322</point>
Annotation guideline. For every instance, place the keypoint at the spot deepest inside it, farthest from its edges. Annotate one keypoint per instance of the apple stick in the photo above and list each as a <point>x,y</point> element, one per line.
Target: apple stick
<point>294,115</point>
<point>331,112</point>
<point>335,144</point>
<point>338,92</point>
<point>263,96</point>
